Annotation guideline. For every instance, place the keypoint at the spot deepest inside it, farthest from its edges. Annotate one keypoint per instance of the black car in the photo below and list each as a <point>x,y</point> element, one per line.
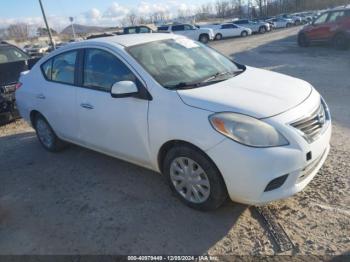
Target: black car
<point>141,29</point>
<point>12,62</point>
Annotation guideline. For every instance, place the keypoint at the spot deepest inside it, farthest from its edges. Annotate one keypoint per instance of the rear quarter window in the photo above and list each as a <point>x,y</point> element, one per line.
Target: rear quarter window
<point>46,69</point>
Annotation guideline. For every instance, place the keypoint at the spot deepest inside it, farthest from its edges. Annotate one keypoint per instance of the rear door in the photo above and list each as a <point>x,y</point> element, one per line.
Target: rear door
<point>58,94</point>
<point>116,126</point>
<point>228,30</point>
<point>334,23</point>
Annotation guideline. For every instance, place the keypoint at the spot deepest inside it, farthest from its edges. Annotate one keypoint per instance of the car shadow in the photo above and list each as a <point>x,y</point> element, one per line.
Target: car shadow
<point>82,202</point>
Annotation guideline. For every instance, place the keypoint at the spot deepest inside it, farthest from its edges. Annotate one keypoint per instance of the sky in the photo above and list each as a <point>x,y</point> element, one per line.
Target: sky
<point>88,12</point>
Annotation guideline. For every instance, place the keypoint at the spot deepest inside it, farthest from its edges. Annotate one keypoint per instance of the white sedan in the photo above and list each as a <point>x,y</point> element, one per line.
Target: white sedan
<point>228,30</point>
<point>281,22</point>
<point>213,127</point>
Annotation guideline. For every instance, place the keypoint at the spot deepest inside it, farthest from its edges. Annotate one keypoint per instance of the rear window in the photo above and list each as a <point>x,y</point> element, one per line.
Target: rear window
<point>10,54</point>
<point>60,68</point>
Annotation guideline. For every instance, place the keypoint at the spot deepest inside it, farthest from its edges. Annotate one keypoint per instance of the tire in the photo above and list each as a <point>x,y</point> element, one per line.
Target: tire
<point>303,41</point>
<point>204,38</point>
<point>218,36</point>
<point>211,190</point>
<point>288,25</point>
<point>244,34</point>
<point>340,42</point>
<point>47,137</point>
<point>262,30</point>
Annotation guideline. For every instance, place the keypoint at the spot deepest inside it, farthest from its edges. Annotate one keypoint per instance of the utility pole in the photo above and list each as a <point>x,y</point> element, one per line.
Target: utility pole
<point>47,25</point>
<point>71,19</point>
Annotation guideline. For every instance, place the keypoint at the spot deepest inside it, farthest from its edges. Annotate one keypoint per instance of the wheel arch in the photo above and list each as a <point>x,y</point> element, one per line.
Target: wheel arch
<point>165,148</point>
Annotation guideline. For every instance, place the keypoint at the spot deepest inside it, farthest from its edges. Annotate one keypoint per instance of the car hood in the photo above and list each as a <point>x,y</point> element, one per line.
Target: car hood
<point>255,92</point>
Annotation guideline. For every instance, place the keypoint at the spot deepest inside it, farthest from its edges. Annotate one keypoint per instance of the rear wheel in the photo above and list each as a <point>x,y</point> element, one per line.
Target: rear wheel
<point>244,34</point>
<point>340,42</point>
<point>47,136</point>
<point>204,38</point>
<point>218,37</point>
<point>194,178</point>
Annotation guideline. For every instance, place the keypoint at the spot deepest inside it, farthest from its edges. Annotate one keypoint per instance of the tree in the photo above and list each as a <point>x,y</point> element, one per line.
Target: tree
<point>18,31</point>
<point>42,31</point>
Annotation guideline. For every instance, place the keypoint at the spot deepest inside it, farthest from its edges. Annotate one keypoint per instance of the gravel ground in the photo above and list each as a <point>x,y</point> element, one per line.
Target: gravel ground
<point>82,202</point>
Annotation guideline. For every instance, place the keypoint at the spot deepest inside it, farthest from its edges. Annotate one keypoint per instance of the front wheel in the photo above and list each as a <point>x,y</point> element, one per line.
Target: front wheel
<point>204,38</point>
<point>218,37</point>
<point>194,178</point>
<point>47,136</point>
<point>262,30</point>
<point>244,34</point>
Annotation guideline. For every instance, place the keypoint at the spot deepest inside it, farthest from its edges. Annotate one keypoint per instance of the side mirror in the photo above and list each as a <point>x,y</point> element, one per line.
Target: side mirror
<point>124,89</point>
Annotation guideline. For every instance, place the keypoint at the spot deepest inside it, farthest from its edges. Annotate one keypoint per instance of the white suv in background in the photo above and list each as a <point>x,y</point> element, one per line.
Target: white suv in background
<point>198,34</point>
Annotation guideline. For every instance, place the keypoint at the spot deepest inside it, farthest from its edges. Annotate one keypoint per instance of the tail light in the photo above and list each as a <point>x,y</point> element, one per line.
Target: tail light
<point>18,85</point>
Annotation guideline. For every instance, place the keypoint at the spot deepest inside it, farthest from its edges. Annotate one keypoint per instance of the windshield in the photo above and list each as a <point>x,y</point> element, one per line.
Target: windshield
<point>183,63</point>
<point>10,54</point>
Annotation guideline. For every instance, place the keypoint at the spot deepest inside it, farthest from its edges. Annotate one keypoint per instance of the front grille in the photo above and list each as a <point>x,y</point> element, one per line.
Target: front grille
<point>312,126</point>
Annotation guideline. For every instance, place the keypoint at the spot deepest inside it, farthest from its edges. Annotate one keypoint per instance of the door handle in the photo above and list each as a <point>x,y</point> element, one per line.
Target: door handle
<point>40,96</point>
<point>87,106</point>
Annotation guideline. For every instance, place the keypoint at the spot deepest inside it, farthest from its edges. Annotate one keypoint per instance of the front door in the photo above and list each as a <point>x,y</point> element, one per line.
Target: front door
<point>116,126</point>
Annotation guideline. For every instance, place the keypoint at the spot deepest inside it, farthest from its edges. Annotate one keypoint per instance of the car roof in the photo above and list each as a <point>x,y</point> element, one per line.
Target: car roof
<point>133,39</point>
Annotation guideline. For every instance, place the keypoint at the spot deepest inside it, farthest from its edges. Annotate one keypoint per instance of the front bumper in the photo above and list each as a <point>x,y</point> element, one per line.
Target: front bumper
<point>247,170</point>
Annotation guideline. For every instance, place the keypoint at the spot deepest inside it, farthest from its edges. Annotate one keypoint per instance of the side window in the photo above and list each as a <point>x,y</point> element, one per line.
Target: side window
<point>233,26</point>
<point>102,70</point>
<point>224,26</point>
<point>63,67</point>
<point>335,16</point>
<point>178,28</point>
<point>163,28</point>
<point>47,69</point>
<point>188,27</point>
<point>321,19</point>
<point>132,30</point>
<point>144,30</point>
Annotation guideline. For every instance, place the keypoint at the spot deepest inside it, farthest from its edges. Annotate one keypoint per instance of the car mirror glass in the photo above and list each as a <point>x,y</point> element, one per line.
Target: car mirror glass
<point>123,89</point>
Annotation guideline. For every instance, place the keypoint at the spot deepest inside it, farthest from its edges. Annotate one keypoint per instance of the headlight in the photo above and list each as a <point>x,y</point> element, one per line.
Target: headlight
<point>247,130</point>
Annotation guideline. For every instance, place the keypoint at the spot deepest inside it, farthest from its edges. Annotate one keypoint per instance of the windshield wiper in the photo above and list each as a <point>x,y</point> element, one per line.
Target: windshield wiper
<point>220,74</point>
<point>213,78</point>
<point>184,85</point>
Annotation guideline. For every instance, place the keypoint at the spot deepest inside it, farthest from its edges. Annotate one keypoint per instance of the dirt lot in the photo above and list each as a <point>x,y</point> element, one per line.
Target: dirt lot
<point>82,202</point>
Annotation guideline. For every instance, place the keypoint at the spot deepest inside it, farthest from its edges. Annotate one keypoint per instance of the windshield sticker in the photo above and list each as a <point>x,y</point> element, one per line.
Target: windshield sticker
<point>186,43</point>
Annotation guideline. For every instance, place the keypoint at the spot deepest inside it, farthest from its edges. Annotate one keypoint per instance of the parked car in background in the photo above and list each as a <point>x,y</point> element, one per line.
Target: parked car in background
<point>178,107</point>
<point>228,30</point>
<point>256,27</point>
<point>141,29</point>
<point>12,62</point>
<point>203,35</point>
<point>100,35</point>
<point>296,20</point>
<point>332,26</point>
<point>280,22</point>
<point>36,50</point>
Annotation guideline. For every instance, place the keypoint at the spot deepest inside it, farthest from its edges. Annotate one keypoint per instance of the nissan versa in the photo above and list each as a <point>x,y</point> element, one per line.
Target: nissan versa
<point>215,128</point>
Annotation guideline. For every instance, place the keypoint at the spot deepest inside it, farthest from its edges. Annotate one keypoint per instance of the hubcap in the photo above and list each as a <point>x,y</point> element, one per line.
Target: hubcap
<point>44,133</point>
<point>190,180</point>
